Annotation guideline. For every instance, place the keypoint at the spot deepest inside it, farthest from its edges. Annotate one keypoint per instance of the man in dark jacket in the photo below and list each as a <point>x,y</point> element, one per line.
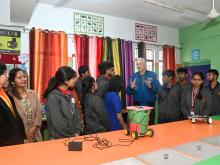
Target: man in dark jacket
<point>106,71</point>
<point>214,87</point>
<point>83,72</point>
<point>169,97</point>
<point>11,125</point>
<point>183,79</point>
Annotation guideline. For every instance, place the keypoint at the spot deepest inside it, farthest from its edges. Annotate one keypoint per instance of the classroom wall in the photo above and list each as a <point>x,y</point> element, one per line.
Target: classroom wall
<point>203,36</point>
<point>61,19</point>
<point>4,12</point>
<point>49,17</point>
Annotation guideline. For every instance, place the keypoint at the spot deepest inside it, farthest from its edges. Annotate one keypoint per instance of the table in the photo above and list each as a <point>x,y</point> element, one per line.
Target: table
<point>216,117</point>
<point>54,152</point>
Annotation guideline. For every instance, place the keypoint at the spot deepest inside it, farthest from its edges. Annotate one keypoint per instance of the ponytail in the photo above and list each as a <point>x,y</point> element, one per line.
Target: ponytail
<point>52,84</point>
<point>64,73</point>
<point>199,95</point>
<point>87,84</point>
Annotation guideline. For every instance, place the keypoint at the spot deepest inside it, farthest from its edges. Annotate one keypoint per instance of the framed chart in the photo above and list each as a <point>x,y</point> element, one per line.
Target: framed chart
<point>10,41</point>
<point>144,32</point>
<point>88,24</point>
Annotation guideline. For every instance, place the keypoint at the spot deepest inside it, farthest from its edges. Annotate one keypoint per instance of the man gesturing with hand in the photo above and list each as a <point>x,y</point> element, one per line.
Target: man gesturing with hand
<point>144,86</point>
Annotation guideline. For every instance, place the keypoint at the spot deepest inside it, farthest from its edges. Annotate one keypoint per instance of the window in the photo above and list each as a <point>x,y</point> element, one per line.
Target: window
<point>150,59</point>
<point>152,55</point>
<point>160,54</point>
<point>150,63</point>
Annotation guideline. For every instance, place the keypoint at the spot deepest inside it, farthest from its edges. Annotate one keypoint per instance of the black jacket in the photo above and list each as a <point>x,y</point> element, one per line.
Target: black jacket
<point>169,103</point>
<point>215,99</point>
<point>62,115</point>
<point>96,119</point>
<point>11,129</point>
<point>202,106</point>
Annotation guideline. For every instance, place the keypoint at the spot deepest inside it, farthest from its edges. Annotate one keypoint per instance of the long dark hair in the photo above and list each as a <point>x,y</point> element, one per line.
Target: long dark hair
<point>87,84</point>
<point>200,74</point>
<point>64,73</point>
<point>3,68</point>
<point>11,86</point>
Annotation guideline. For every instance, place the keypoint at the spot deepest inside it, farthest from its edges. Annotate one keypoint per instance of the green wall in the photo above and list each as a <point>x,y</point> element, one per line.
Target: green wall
<point>205,37</point>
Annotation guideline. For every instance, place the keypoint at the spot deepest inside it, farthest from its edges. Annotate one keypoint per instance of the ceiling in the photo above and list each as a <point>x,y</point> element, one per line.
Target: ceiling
<point>21,10</point>
<point>131,9</point>
<point>140,11</point>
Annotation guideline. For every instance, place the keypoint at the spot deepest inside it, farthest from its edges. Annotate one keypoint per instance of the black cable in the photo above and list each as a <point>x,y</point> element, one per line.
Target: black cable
<point>104,143</point>
<point>100,143</point>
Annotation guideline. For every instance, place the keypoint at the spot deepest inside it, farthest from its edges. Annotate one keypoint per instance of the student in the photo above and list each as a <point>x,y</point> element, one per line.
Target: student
<point>183,79</point>
<point>96,119</point>
<point>113,103</point>
<point>144,87</point>
<point>196,100</point>
<point>169,96</point>
<point>62,115</point>
<point>83,72</point>
<point>106,71</point>
<point>27,103</point>
<point>11,126</point>
<point>214,87</point>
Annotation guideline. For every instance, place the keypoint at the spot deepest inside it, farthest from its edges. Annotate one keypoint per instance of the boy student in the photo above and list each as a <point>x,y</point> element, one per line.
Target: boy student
<point>169,96</point>
<point>106,71</point>
<point>214,87</point>
<point>183,79</point>
<point>83,72</point>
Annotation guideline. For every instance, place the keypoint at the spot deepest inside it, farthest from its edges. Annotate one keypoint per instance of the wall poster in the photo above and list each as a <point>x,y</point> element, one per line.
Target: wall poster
<point>88,24</point>
<point>144,32</point>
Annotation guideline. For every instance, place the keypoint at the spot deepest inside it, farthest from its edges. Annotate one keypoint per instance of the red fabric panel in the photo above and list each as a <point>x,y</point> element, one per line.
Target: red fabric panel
<point>48,51</point>
<point>99,53</point>
<point>169,60</point>
<point>9,59</point>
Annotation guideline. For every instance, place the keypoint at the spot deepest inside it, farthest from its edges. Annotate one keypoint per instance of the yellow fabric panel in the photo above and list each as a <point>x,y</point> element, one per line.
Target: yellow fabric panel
<point>116,60</point>
<point>105,50</point>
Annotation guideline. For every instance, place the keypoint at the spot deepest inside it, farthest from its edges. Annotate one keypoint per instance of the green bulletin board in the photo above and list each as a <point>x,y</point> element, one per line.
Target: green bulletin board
<point>88,24</point>
<point>10,41</point>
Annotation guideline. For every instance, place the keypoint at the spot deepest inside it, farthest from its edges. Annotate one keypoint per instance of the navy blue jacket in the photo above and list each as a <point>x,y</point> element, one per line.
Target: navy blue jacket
<point>142,93</point>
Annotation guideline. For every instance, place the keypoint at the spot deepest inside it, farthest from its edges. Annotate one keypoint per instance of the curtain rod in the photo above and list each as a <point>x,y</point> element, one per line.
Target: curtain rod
<point>154,44</point>
<point>70,34</point>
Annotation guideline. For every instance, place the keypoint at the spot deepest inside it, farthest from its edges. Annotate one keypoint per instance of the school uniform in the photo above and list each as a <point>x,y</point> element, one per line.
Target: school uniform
<point>96,118</point>
<point>215,92</point>
<point>169,104</point>
<point>185,86</point>
<point>191,105</point>
<point>62,115</point>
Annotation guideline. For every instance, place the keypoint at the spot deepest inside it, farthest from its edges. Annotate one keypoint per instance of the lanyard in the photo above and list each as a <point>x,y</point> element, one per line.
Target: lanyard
<point>194,94</point>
